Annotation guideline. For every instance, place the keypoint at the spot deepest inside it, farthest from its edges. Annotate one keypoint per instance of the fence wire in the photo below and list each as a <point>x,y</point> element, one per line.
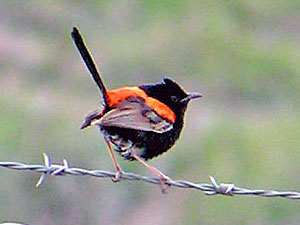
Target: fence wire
<point>213,188</point>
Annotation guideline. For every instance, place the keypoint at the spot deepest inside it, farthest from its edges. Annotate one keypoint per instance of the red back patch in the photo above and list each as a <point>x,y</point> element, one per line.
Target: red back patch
<point>118,95</point>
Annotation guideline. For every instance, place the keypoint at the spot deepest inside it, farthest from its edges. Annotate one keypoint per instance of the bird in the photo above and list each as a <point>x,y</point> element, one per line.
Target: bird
<point>140,122</point>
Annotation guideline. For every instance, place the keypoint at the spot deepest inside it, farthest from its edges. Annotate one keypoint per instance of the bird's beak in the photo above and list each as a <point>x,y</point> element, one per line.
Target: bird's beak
<point>191,96</point>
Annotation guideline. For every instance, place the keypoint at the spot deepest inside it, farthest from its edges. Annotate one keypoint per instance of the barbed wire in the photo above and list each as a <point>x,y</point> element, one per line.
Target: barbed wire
<point>209,189</point>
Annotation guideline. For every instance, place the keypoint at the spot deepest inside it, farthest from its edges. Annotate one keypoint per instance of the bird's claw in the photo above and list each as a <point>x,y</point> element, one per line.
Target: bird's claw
<point>163,185</point>
<point>117,177</point>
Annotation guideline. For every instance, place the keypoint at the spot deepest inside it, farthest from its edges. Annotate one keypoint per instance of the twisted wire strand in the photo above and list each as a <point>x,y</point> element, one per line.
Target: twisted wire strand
<point>209,189</point>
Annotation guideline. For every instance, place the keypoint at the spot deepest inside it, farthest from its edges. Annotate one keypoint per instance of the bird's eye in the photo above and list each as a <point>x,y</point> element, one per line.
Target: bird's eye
<point>174,98</point>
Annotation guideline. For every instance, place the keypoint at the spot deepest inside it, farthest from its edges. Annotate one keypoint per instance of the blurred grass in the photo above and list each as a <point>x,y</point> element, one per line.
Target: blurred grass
<point>242,55</point>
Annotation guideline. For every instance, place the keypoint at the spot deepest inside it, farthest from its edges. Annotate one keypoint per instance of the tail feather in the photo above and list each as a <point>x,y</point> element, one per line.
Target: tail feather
<point>88,60</point>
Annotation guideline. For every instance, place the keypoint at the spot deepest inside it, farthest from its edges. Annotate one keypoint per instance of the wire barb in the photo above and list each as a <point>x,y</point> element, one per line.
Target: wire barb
<point>42,178</point>
<point>209,189</point>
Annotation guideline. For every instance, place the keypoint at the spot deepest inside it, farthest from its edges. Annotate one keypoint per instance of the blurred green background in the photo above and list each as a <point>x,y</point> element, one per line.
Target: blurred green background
<point>244,57</point>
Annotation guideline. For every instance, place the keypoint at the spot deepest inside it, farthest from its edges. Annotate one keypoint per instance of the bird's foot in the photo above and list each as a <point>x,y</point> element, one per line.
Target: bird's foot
<point>164,186</point>
<point>117,177</point>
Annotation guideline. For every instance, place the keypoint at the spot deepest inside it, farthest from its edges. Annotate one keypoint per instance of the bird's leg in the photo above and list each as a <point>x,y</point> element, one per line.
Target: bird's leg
<point>118,176</point>
<point>163,178</point>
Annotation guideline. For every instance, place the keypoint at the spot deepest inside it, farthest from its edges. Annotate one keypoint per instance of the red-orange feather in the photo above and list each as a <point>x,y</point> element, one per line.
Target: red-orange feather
<point>161,109</point>
<point>118,95</point>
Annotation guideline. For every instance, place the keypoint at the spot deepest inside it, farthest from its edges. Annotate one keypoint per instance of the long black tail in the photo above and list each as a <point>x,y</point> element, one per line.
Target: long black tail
<point>88,60</point>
